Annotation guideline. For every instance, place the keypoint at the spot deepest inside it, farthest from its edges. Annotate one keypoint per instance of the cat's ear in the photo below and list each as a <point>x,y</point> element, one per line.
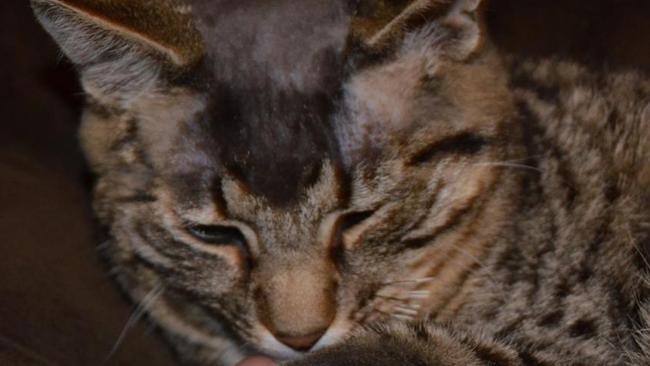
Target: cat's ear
<point>122,47</point>
<point>381,25</point>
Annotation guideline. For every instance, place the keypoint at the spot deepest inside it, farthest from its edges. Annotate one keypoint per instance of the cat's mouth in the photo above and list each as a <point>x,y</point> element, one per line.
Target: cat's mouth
<point>262,347</point>
<point>272,347</point>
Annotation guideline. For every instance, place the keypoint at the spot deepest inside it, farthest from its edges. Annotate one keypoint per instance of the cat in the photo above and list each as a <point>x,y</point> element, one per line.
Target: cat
<point>362,183</point>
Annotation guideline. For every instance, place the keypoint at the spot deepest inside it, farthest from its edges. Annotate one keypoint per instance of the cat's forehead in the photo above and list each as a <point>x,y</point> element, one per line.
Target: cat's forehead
<point>289,43</point>
<point>273,72</point>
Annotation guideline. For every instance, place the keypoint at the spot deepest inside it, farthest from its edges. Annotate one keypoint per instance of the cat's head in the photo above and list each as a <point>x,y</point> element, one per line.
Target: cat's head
<point>292,169</point>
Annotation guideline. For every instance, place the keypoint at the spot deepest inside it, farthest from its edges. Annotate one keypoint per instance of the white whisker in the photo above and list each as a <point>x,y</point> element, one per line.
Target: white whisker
<point>402,317</point>
<point>394,298</point>
<point>424,280</point>
<point>149,299</point>
<point>405,311</point>
<point>420,294</point>
<point>415,281</point>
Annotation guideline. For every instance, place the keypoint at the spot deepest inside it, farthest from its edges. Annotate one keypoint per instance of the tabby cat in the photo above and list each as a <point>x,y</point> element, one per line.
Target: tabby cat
<point>362,182</point>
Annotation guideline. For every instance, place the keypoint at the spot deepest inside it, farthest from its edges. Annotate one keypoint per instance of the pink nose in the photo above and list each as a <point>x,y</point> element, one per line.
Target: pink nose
<point>302,342</point>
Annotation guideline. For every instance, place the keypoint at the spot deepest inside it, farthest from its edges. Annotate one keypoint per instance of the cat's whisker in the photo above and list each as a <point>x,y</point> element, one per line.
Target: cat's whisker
<point>413,281</point>
<point>394,298</point>
<point>643,280</point>
<point>636,248</point>
<point>143,306</point>
<point>424,280</point>
<point>419,294</point>
<point>643,330</point>
<point>405,310</point>
<point>414,306</point>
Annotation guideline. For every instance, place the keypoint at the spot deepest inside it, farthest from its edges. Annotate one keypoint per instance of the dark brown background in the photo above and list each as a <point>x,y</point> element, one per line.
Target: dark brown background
<point>57,307</point>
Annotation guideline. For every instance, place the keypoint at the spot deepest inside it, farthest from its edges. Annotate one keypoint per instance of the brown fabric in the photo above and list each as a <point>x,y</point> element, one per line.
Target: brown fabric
<point>596,32</point>
<point>57,305</point>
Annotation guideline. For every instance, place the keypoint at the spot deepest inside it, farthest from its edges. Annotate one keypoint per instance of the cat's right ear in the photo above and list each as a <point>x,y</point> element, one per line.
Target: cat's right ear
<point>380,25</point>
<point>122,48</point>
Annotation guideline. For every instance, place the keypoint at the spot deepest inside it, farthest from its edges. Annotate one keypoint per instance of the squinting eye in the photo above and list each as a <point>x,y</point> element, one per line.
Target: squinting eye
<point>348,222</point>
<point>353,219</point>
<point>217,235</point>
<point>462,144</point>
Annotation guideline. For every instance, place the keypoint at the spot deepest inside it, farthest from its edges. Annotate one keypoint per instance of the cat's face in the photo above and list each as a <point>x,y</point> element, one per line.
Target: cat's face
<point>283,187</point>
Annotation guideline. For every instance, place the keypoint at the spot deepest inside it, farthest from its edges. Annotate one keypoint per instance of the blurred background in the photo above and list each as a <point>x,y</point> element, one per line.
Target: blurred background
<point>57,305</point>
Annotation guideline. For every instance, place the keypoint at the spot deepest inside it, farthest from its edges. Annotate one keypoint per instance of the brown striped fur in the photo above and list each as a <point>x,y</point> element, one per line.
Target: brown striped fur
<point>371,181</point>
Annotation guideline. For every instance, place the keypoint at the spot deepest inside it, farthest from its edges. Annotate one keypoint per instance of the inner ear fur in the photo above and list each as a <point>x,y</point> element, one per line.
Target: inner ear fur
<point>163,27</point>
<point>123,47</point>
<point>379,25</point>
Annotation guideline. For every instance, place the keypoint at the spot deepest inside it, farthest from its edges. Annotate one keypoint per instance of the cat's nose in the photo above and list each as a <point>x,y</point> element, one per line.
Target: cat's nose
<point>302,342</point>
<point>297,305</point>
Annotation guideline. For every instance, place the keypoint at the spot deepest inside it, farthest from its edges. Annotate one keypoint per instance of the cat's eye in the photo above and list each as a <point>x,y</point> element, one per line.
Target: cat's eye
<point>347,223</point>
<point>217,235</point>
<point>462,144</point>
<point>353,219</point>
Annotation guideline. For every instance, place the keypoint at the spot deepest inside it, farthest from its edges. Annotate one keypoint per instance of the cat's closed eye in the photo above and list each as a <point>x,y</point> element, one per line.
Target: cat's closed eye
<point>353,219</point>
<point>217,235</point>
<point>462,144</point>
<point>349,227</point>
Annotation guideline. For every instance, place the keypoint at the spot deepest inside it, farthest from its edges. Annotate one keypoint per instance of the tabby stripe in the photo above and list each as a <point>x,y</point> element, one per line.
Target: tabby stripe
<point>454,220</point>
<point>429,208</point>
<point>459,283</point>
<point>167,250</point>
<point>103,111</point>
<point>529,359</point>
<point>129,136</point>
<point>459,217</point>
<point>549,94</point>
<point>149,254</point>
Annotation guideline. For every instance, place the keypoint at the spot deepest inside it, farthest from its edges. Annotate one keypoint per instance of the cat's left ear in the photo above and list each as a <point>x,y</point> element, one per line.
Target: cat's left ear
<point>381,25</point>
<point>123,48</point>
